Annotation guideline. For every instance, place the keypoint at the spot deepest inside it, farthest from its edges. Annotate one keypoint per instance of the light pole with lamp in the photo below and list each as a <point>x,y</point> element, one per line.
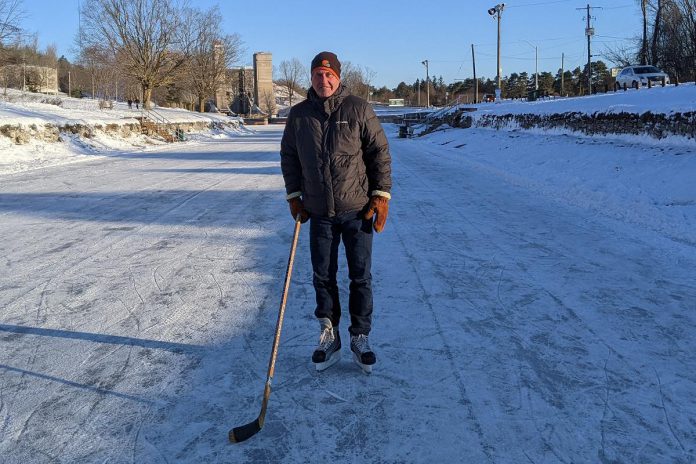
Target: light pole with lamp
<point>536,64</point>
<point>427,84</point>
<point>497,13</point>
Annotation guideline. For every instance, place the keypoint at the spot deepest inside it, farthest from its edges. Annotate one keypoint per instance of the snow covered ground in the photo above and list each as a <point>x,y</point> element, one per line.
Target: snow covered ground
<point>666,100</point>
<point>27,108</point>
<point>534,302</point>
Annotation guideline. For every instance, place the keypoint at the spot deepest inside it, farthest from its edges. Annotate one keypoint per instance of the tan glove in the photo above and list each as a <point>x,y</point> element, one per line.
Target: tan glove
<point>297,207</point>
<point>378,206</point>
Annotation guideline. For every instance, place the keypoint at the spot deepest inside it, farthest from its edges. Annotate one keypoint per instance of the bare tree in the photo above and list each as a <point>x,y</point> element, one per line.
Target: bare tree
<point>11,14</point>
<point>356,78</point>
<point>210,52</point>
<point>368,78</point>
<point>688,8</point>
<point>644,44</point>
<point>672,36</point>
<point>292,72</point>
<point>268,103</point>
<point>141,33</point>
<point>657,32</point>
<point>621,55</point>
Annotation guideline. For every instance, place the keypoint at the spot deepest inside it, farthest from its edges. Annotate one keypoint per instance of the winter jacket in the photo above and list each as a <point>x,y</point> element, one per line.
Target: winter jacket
<point>334,154</point>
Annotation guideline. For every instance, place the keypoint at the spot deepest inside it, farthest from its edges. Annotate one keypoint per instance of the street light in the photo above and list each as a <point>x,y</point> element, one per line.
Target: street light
<point>536,64</point>
<point>497,13</point>
<point>427,83</point>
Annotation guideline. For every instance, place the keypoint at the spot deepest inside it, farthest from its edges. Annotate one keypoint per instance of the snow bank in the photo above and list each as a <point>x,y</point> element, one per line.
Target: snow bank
<point>40,130</point>
<point>657,113</point>
<point>658,100</point>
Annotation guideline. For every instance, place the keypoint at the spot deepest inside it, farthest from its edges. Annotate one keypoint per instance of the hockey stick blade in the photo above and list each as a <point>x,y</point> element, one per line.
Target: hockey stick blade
<point>244,432</point>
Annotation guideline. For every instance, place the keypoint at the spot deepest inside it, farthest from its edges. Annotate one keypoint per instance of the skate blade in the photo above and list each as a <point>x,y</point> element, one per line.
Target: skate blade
<point>329,362</point>
<point>366,368</point>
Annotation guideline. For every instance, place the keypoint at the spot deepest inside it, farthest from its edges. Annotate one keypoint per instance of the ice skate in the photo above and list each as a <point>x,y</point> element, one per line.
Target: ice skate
<point>329,350</point>
<point>362,353</point>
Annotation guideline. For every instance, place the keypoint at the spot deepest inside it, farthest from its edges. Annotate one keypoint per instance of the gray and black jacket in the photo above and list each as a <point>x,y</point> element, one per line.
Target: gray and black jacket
<point>334,154</point>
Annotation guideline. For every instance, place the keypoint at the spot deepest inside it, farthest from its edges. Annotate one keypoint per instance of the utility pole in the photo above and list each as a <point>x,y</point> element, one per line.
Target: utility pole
<point>589,32</point>
<point>497,12</point>
<point>536,68</point>
<point>473,59</point>
<point>562,74</point>
<point>427,84</point>
<point>418,92</point>
<point>24,69</point>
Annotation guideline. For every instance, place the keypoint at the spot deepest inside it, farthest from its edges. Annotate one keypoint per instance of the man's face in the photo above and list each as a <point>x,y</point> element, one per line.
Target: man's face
<point>324,82</point>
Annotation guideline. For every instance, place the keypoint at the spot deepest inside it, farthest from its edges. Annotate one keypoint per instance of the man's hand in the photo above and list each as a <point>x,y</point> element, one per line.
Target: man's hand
<point>297,207</point>
<point>378,206</point>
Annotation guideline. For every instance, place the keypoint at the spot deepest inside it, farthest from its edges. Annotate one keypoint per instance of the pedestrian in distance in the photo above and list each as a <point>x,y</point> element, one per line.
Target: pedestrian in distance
<point>137,102</point>
<point>130,104</point>
<point>337,171</point>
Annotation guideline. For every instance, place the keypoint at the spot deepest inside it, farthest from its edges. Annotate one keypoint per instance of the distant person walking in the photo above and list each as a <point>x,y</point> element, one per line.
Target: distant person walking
<point>337,170</point>
<point>137,102</point>
<point>130,104</point>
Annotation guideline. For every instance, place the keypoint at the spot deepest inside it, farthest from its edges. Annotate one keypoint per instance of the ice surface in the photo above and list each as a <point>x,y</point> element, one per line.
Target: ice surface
<point>534,302</point>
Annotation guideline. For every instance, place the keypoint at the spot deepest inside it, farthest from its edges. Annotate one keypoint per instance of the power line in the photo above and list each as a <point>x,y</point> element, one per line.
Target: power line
<point>538,4</point>
<point>612,37</point>
<point>618,7</point>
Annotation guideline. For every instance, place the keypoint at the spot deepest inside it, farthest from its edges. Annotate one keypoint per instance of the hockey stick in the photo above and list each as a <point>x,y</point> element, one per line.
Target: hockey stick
<point>244,432</point>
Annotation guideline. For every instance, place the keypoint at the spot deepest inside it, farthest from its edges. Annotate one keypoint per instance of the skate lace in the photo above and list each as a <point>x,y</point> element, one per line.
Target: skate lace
<point>326,339</point>
<point>360,343</point>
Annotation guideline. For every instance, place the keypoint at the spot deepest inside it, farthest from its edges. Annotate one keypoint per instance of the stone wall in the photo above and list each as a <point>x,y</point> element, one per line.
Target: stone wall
<point>21,134</point>
<point>657,126</point>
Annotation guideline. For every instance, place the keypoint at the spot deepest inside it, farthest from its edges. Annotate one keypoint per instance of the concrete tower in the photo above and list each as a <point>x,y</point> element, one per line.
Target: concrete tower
<point>263,77</point>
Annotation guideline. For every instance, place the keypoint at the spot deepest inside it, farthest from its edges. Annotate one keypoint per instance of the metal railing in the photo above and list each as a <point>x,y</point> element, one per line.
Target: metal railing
<point>162,124</point>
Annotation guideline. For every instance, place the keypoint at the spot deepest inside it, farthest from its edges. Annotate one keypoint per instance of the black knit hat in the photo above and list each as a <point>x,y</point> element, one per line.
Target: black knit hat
<point>328,61</point>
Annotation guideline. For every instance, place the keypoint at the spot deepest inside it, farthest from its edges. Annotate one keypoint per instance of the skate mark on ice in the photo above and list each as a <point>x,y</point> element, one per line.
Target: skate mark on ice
<point>664,410</point>
<point>487,448</point>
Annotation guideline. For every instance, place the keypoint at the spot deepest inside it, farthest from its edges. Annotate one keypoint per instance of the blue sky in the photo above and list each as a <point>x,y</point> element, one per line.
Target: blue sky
<point>393,37</point>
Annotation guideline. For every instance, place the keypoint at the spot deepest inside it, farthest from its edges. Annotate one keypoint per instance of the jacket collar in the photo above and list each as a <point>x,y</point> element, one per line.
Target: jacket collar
<point>330,104</point>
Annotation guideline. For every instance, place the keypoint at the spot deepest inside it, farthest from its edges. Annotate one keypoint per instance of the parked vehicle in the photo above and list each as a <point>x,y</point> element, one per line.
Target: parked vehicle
<point>639,75</point>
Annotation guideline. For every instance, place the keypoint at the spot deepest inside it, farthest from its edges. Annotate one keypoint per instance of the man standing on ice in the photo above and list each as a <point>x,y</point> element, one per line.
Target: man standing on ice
<point>337,171</point>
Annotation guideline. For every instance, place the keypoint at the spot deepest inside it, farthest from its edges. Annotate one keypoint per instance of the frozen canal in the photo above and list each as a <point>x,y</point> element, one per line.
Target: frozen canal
<point>139,295</point>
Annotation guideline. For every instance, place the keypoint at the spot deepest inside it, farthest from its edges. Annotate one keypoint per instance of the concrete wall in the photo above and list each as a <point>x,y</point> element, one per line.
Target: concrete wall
<point>34,78</point>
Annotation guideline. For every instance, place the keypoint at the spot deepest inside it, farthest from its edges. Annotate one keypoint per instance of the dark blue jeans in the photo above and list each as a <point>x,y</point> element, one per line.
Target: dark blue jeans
<point>325,234</point>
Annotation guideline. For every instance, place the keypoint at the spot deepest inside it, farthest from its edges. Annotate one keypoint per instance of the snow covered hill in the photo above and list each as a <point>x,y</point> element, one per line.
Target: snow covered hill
<point>42,130</point>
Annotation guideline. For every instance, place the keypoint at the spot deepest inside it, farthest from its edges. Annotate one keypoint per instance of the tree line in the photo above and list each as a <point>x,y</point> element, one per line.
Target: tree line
<point>516,85</point>
<point>132,49</point>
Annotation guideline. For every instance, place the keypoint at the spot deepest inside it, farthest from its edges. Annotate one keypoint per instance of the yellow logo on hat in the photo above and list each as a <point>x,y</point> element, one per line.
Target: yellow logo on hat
<point>325,63</point>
